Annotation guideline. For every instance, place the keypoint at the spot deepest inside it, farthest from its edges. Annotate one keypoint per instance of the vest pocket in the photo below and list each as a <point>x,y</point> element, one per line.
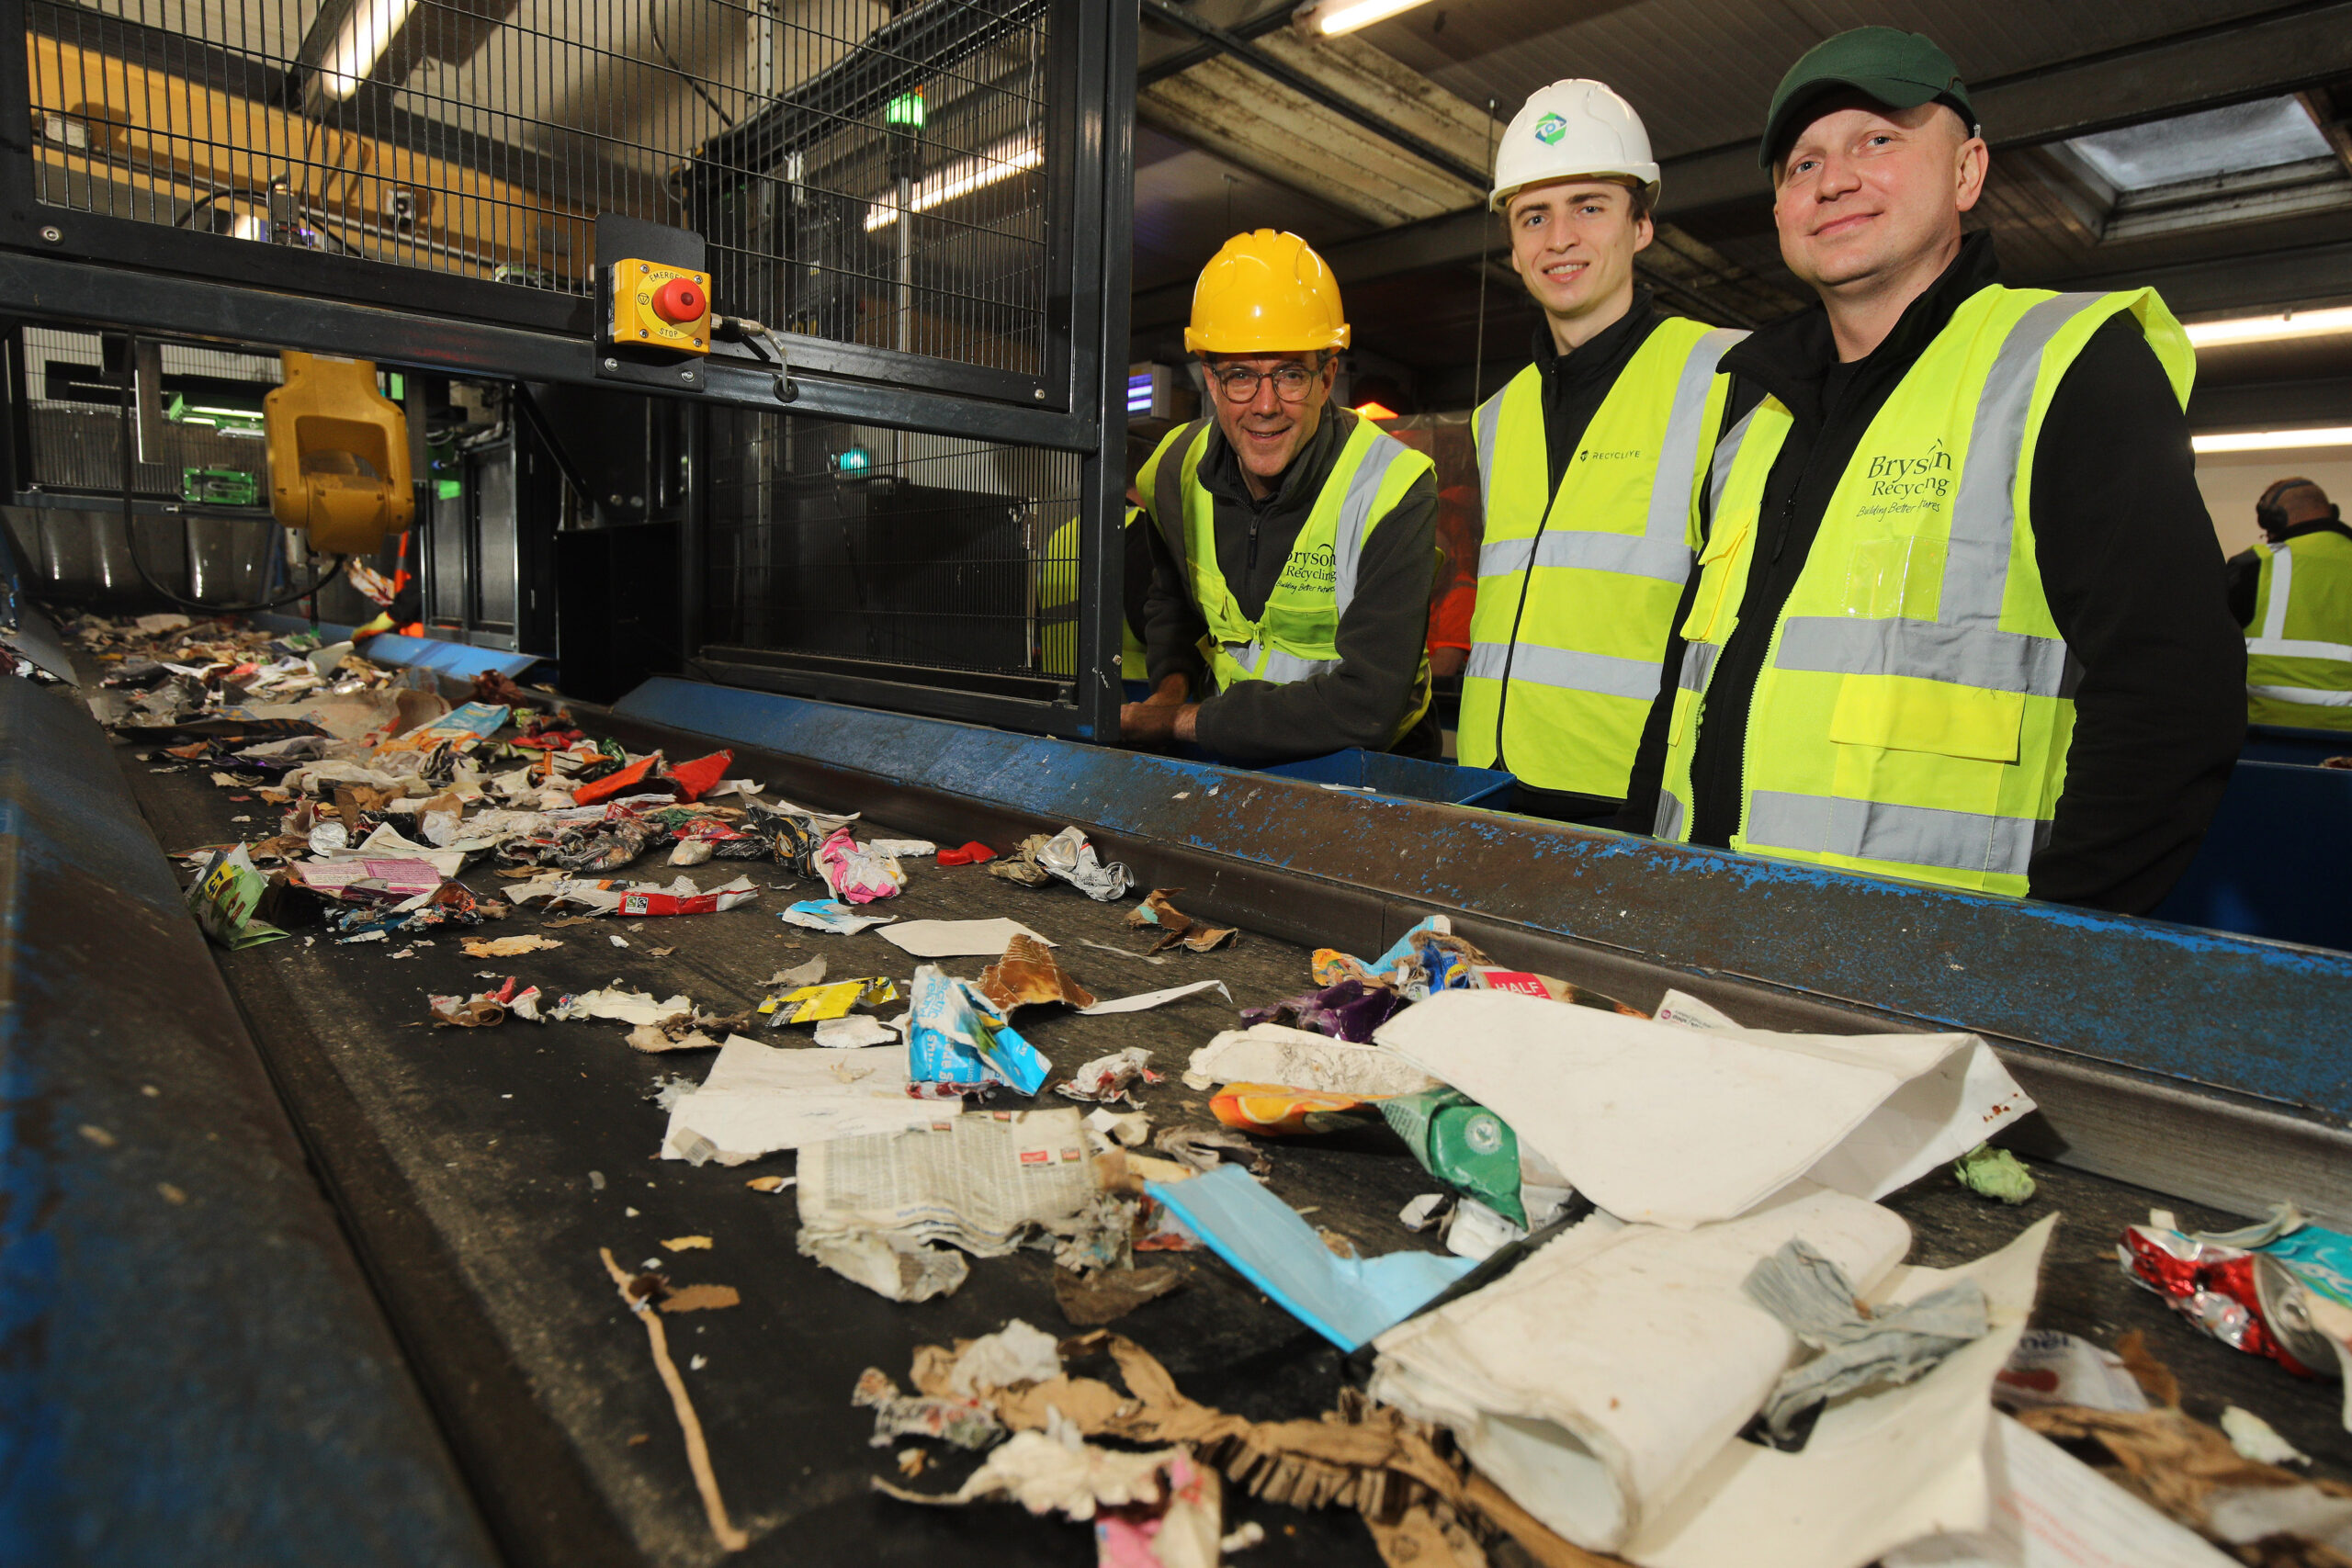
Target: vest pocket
<point>1902,713</point>
<point>1714,585</point>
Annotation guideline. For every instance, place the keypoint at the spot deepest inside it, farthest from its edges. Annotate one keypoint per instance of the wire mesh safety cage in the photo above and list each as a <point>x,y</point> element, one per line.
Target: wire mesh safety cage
<point>200,442</point>
<point>831,543</point>
<point>868,172</point>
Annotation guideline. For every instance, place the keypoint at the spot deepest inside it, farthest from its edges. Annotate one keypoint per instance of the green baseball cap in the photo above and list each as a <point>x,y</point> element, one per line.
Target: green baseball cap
<point>1900,70</point>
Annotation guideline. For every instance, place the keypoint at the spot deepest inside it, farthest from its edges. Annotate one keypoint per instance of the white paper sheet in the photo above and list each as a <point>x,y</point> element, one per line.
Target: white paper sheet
<point>1880,1469</point>
<point>957,939</point>
<point>1594,1381</point>
<point>1656,1123</point>
<point>627,1007</point>
<point>2051,1510</point>
<point>759,1100</point>
<point>1295,1058</point>
<point>1157,999</point>
<point>1929,1121</point>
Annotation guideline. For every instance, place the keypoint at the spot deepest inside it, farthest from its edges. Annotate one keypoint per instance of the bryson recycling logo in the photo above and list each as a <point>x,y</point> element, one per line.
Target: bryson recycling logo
<point>1550,128</point>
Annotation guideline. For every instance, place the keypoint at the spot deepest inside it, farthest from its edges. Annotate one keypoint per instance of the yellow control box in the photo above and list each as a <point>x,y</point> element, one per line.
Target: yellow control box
<point>656,306</point>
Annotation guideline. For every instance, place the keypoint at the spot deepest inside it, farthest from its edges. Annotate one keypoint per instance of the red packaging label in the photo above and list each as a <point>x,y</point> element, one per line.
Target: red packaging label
<point>1519,980</point>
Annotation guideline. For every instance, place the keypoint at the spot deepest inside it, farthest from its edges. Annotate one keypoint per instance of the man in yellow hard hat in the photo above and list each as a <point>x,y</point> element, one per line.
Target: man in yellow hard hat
<point>1294,543</point>
<point>1589,460</point>
<point>1959,617</point>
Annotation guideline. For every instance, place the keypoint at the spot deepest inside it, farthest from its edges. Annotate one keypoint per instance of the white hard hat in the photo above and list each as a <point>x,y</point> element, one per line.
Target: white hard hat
<point>1571,129</point>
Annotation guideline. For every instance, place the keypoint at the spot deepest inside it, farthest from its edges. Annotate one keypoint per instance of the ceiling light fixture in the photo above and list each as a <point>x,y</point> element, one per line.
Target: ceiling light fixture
<point>2273,440</point>
<point>1331,17</point>
<point>961,178</point>
<point>2267,329</point>
<point>359,46</point>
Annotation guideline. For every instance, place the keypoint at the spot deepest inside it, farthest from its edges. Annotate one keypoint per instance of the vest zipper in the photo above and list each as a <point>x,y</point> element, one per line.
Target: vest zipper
<point>1747,728</point>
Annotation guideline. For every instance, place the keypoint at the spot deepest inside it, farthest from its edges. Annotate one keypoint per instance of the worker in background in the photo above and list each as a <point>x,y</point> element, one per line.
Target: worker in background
<point>1959,616</point>
<point>1590,459</point>
<point>1294,543</point>
<point>1058,573</point>
<point>2294,595</point>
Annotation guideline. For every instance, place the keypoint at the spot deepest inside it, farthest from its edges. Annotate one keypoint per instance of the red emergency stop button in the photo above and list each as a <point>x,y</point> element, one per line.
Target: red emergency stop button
<point>679,302</point>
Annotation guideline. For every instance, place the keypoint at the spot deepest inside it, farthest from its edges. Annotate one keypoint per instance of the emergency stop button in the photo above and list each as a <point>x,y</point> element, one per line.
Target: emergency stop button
<point>679,302</point>
<point>659,307</point>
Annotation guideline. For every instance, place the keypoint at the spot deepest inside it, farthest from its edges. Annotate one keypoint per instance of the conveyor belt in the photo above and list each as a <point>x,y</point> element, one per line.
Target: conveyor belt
<point>461,1161</point>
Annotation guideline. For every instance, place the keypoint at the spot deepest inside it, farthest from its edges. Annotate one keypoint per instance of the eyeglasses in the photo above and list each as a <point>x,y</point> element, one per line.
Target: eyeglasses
<point>1238,383</point>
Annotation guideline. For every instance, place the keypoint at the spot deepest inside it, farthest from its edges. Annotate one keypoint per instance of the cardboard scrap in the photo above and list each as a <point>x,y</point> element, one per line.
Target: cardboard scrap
<point>1176,928</point>
<point>701,1298</point>
<point>1028,974</point>
<point>509,946</point>
<point>2191,1473</point>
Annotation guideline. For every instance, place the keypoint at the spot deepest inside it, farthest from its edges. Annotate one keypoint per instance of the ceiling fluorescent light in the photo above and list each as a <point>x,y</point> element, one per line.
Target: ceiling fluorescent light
<point>961,178</point>
<point>1331,17</point>
<point>2266,329</point>
<point>2273,440</point>
<point>365,34</point>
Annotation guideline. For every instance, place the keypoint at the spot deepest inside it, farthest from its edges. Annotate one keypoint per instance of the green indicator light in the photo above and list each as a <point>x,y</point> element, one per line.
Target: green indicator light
<point>906,109</point>
<point>856,460</point>
<point>448,490</point>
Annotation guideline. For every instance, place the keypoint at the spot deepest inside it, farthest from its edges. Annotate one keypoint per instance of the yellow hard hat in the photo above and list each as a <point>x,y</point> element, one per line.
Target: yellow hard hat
<point>1265,293</point>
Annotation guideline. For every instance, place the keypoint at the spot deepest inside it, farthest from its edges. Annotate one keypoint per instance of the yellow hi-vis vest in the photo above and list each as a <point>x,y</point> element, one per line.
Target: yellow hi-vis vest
<point>2299,664</point>
<point>1577,590</point>
<point>1058,607</point>
<point>1297,635</point>
<point>1915,706</point>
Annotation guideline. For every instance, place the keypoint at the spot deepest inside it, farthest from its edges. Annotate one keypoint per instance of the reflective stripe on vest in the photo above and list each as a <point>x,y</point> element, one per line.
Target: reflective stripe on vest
<point>1898,725</point>
<point>1290,641</point>
<point>2296,673</point>
<point>1578,583</point>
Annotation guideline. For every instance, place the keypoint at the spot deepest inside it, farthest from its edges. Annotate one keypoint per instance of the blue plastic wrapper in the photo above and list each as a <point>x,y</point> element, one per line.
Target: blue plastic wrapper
<point>956,1037</point>
<point>2322,1258</point>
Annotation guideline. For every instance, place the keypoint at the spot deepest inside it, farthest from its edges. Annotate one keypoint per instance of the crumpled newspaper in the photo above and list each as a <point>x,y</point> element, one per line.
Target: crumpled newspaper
<point>1066,855</point>
<point>1813,1297</point>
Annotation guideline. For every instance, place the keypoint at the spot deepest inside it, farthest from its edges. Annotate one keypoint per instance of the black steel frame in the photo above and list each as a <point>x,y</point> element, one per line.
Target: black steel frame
<point>107,272</point>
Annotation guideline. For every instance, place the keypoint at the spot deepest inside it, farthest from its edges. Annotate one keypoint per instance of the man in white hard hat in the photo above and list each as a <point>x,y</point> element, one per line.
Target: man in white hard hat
<point>1589,460</point>
<point>1294,542</point>
<point>1960,615</point>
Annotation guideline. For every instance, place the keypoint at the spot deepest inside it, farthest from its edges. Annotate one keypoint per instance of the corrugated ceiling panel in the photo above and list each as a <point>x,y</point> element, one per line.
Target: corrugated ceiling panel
<point>1702,71</point>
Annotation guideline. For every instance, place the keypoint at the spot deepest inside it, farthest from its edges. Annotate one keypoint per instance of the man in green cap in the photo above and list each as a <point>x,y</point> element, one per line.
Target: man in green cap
<point>1960,615</point>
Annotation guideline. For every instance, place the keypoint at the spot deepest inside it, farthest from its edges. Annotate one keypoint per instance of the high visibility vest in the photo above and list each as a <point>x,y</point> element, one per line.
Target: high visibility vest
<point>2299,651</point>
<point>1576,589</point>
<point>1296,636</point>
<point>1058,607</point>
<point>1914,706</point>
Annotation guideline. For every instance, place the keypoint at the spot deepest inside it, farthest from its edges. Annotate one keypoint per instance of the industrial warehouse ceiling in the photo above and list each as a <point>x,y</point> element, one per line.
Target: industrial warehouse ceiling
<point>2197,145</point>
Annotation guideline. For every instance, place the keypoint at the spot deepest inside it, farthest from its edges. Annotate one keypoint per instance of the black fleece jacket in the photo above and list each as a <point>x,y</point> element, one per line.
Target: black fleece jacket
<point>1381,638</point>
<point>1575,385</point>
<point>2127,557</point>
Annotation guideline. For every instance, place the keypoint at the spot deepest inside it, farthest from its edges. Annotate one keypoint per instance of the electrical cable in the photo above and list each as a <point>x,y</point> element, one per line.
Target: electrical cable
<point>129,516</point>
<point>654,21</point>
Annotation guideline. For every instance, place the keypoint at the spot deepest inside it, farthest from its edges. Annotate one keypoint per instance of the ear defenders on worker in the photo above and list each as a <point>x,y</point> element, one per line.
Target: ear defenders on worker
<point>2273,517</point>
